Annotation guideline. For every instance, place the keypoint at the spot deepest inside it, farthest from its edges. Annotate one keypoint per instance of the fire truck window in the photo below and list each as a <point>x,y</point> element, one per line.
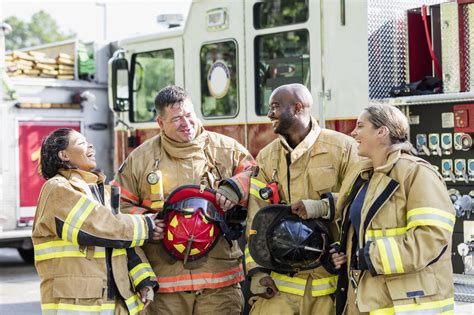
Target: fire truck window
<point>280,58</point>
<point>219,90</point>
<point>279,12</point>
<point>151,72</point>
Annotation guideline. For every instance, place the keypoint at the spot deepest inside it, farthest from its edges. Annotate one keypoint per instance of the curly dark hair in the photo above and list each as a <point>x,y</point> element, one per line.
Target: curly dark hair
<point>169,95</point>
<point>50,163</point>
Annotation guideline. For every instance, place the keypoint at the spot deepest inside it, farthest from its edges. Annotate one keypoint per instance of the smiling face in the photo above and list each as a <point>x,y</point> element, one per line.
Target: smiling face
<point>280,113</point>
<point>79,153</point>
<point>368,137</point>
<point>179,121</point>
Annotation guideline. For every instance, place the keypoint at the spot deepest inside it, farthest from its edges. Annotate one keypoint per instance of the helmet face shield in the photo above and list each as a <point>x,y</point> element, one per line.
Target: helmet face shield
<point>191,205</point>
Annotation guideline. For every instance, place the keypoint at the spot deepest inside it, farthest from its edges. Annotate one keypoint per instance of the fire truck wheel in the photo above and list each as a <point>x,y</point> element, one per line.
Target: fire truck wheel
<point>28,255</point>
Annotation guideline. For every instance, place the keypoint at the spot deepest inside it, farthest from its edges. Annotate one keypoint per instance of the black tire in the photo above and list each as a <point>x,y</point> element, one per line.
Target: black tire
<point>28,255</point>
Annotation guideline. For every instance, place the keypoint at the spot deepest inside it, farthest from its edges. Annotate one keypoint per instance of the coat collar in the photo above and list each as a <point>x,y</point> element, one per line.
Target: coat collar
<point>185,150</point>
<point>81,179</point>
<point>304,145</point>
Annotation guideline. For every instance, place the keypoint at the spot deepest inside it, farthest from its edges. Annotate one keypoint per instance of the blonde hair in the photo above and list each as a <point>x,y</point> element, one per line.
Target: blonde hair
<point>392,118</point>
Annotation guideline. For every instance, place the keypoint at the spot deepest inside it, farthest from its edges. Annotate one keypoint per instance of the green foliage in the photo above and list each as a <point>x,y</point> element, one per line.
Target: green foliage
<point>42,29</point>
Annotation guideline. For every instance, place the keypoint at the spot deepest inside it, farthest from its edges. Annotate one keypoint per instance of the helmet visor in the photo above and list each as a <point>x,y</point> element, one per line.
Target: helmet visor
<point>191,205</point>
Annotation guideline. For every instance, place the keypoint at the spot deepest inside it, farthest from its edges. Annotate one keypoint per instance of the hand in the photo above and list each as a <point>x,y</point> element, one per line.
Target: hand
<point>299,209</point>
<point>146,296</point>
<point>158,230</point>
<point>272,290</point>
<point>337,259</point>
<point>224,203</point>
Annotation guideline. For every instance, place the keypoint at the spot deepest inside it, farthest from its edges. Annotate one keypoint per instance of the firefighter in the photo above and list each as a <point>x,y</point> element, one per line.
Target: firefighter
<point>185,153</point>
<point>86,255</point>
<point>397,224</point>
<point>304,168</point>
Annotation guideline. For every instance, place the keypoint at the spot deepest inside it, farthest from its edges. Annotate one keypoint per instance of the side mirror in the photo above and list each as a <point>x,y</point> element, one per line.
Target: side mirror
<point>118,80</point>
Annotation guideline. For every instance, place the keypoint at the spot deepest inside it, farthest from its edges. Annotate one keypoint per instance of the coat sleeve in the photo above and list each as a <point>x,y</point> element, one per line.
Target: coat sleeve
<point>255,203</point>
<point>139,269</point>
<point>126,179</point>
<point>82,221</point>
<point>239,182</point>
<point>430,221</point>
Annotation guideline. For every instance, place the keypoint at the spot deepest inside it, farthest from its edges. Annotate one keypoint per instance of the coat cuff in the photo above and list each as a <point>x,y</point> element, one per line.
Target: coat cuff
<point>332,207</point>
<point>147,283</point>
<point>365,263</point>
<point>150,224</point>
<point>229,192</point>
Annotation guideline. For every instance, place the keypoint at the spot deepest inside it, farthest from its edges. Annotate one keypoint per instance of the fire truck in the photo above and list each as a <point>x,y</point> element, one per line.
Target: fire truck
<point>230,55</point>
<point>30,108</point>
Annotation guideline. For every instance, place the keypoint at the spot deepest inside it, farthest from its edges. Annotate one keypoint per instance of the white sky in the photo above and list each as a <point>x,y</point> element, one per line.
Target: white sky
<point>86,18</point>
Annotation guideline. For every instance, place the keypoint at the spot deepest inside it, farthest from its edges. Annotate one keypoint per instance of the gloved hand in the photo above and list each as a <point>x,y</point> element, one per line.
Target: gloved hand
<point>263,285</point>
<point>226,197</point>
<point>311,209</point>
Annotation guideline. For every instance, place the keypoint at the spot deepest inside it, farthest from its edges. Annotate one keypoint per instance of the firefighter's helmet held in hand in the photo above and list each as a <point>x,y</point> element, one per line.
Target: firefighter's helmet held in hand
<point>192,219</point>
<point>285,243</point>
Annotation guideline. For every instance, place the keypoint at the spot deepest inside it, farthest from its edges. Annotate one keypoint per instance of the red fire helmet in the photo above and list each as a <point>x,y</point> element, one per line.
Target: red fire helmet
<point>192,219</point>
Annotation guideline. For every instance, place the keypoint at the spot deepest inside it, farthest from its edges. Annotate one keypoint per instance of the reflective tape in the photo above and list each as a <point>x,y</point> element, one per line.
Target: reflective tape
<point>134,304</point>
<point>289,284</point>
<point>125,193</point>
<point>139,232</point>
<point>76,218</point>
<point>248,258</point>
<point>390,255</point>
<point>430,216</point>
<point>75,309</point>
<point>62,249</point>
<point>372,235</point>
<point>141,272</point>
<point>428,308</point>
<point>197,281</point>
<point>294,285</point>
<point>324,286</point>
<point>255,186</point>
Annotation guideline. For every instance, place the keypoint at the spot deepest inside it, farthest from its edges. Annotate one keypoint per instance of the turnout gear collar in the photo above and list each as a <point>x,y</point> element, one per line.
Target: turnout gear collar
<point>285,243</point>
<point>192,218</point>
<point>77,174</point>
<point>304,145</point>
<point>185,150</point>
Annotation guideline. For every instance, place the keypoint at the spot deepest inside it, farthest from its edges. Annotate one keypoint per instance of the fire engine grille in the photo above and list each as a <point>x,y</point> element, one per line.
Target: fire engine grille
<point>388,44</point>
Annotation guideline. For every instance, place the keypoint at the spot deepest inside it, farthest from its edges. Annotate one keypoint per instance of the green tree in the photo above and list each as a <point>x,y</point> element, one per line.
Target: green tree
<point>42,29</point>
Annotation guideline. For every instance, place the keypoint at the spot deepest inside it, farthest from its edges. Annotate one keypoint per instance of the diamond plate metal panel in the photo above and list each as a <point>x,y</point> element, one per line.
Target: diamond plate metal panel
<point>468,27</point>
<point>450,47</point>
<point>387,24</point>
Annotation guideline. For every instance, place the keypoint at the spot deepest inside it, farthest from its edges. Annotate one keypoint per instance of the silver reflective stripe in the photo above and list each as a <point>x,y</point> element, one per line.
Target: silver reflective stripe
<point>324,286</point>
<point>57,249</point>
<point>140,272</point>
<point>421,217</point>
<point>390,257</point>
<point>72,312</point>
<point>289,284</point>
<point>140,228</point>
<point>200,281</point>
<point>432,311</point>
<point>133,305</point>
<point>74,220</point>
